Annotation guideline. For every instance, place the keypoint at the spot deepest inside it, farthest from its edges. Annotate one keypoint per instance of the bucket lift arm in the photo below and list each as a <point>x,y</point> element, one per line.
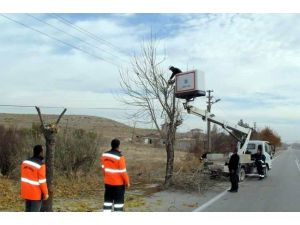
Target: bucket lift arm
<point>230,128</point>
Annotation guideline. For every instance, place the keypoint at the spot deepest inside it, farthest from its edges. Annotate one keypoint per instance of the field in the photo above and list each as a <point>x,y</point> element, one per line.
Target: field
<point>146,167</point>
<point>84,190</point>
<point>108,128</point>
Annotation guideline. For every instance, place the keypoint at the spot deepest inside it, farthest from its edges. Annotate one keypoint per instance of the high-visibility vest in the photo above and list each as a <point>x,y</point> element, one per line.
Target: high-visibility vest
<point>114,168</point>
<point>33,179</point>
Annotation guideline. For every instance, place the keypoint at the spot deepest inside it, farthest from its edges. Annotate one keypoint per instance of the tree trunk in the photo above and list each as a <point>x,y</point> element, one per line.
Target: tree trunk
<point>50,148</point>
<point>170,156</point>
<point>169,167</point>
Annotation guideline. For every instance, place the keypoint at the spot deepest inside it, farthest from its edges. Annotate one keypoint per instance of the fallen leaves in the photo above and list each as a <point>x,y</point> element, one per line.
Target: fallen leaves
<point>10,196</point>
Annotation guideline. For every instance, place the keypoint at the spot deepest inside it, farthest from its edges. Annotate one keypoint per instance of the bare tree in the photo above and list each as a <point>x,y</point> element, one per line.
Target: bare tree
<point>146,87</point>
<point>49,132</point>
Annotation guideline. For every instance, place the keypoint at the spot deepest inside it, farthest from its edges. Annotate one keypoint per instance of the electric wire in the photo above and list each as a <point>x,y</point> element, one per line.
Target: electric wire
<point>61,107</point>
<point>57,39</point>
<point>73,36</point>
<point>86,32</point>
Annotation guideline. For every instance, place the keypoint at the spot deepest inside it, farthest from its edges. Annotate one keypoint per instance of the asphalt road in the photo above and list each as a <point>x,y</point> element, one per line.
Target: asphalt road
<point>279,192</point>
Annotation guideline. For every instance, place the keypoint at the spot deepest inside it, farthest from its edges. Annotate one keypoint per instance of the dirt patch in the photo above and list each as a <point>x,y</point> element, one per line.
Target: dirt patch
<point>174,200</point>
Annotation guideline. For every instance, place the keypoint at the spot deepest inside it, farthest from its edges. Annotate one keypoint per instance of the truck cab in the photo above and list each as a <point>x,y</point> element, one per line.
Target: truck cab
<point>266,150</point>
<point>247,164</point>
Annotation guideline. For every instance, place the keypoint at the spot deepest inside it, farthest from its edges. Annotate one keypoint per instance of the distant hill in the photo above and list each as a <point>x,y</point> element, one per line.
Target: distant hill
<point>107,127</point>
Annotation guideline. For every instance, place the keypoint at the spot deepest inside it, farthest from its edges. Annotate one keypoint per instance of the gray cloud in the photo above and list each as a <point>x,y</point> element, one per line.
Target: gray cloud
<point>250,60</point>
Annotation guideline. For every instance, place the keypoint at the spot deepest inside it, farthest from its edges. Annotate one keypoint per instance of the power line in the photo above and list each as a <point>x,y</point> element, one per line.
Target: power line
<point>54,38</point>
<point>73,36</point>
<point>91,35</point>
<point>18,106</point>
<point>61,107</point>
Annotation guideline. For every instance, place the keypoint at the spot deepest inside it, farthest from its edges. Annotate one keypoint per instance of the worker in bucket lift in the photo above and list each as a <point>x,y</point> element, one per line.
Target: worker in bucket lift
<point>174,72</point>
<point>115,178</point>
<point>233,166</point>
<point>260,160</point>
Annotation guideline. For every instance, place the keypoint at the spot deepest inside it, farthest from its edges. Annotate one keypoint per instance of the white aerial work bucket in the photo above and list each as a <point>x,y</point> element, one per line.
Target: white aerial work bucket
<point>189,85</point>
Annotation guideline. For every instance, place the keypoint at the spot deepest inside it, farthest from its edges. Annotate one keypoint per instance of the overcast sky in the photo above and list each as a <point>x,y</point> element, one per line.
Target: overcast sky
<point>251,61</point>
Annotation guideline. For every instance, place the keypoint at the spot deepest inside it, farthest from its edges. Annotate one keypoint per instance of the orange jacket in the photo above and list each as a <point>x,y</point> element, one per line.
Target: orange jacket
<point>33,179</point>
<point>114,168</point>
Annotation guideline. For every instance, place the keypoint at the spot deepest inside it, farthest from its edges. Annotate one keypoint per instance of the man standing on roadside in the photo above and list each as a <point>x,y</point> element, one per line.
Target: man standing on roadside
<point>33,181</point>
<point>233,171</point>
<point>115,178</point>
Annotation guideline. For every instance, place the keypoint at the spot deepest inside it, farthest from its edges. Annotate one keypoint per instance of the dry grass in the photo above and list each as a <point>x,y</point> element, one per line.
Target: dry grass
<point>10,195</point>
<point>146,166</point>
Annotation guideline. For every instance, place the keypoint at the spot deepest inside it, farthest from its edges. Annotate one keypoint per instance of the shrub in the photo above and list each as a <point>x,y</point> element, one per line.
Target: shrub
<point>77,151</point>
<point>12,149</point>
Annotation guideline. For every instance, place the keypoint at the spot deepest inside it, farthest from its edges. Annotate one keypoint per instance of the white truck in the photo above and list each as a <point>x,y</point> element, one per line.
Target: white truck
<point>189,85</point>
<point>248,169</point>
<point>246,147</point>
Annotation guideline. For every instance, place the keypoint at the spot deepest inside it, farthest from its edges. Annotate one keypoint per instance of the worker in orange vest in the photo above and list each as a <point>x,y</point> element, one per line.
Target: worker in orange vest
<point>33,181</point>
<point>115,178</point>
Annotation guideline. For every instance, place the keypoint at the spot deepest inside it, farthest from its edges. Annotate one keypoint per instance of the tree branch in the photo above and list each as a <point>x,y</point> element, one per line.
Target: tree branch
<point>40,116</point>
<point>61,115</point>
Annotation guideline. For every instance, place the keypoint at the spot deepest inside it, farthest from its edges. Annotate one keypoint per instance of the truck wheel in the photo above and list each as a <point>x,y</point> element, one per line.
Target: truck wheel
<point>242,174</point>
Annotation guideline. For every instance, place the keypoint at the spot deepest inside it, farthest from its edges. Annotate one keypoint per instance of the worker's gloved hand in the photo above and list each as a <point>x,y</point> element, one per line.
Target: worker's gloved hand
<point>170,82</point>
<point>128,185</point>
<point>46,197</point>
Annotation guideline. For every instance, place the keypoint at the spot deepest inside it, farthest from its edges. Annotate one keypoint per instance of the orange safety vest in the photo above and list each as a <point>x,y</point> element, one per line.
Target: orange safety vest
<point>114,168</point>
<point>33,179</point>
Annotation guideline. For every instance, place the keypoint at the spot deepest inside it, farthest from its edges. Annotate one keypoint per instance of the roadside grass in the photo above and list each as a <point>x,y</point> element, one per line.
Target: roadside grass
<point>84,193</point>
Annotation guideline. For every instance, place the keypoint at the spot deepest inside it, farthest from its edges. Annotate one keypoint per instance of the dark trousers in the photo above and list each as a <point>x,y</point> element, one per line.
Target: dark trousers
<point>234,179</point>
<point>259,168</point>
<point>114,198</point>
<point>33,205</point>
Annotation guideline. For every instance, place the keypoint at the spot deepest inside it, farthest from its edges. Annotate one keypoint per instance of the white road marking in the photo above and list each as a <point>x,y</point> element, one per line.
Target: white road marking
<point>206,204</point>
<point>297,164</point>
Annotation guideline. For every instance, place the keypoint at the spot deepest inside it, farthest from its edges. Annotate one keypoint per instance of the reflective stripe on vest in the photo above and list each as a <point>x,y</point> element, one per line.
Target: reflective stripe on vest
<point>111,156</point>
<point>30,181</point>
<point>32,164</point>
<point>114,171</point>
<point>42,181</point>
<point>33,182</point>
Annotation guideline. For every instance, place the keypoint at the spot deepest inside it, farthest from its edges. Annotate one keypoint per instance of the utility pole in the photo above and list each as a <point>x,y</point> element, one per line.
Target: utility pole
<point>209,104</point>
<point>133,132</point>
